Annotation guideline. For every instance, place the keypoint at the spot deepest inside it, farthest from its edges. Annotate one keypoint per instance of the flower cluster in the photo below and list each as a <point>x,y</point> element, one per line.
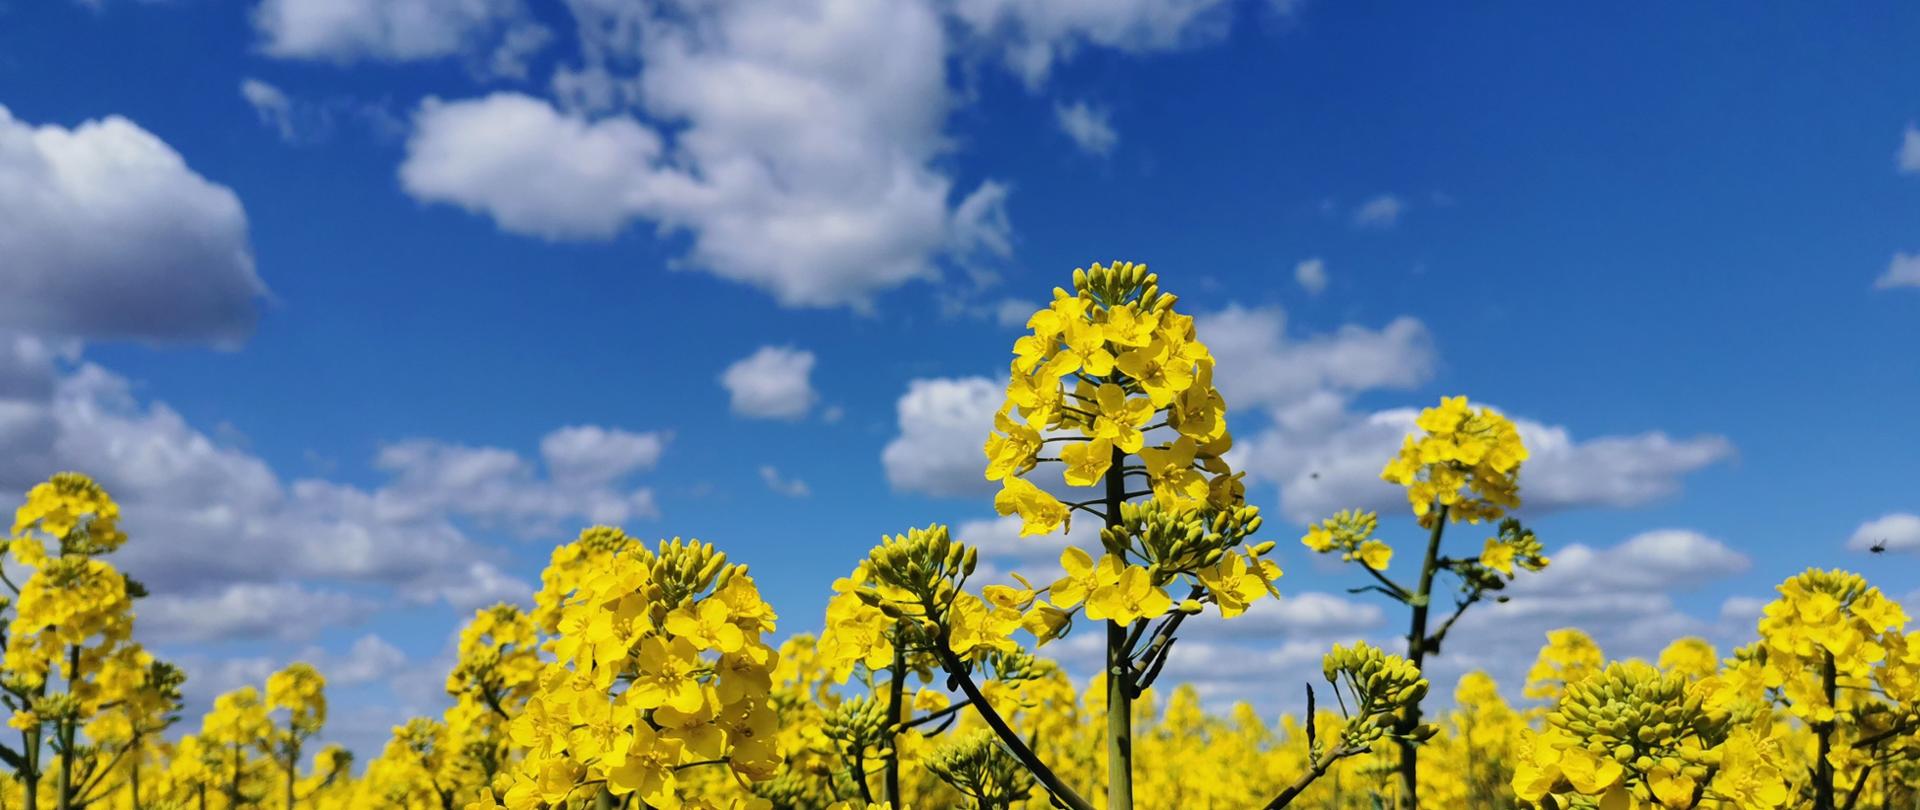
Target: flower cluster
<point>659,667</point>
<point>1350,533</point>
<point>1467,463</point>
<point>1627,732</point>
<point>1101,365</point>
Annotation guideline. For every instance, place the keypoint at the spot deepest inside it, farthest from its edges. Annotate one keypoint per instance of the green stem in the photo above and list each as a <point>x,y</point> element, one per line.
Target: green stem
<point>1119,675</point>
<point>293,768</point>
<point>1823,768</point>
<point>896,698</point>
<point>1417,654</point>
<point>1021,751</point>
<point>64,799</point>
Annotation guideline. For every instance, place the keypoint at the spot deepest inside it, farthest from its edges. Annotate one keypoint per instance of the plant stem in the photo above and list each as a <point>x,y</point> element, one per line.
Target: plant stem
<point>895,698</point>
<point>1119,675</point>
<point>65,797</point>
<point>293,766</point>
<point>1417,654</point>
<point>1823,769</point>
<point>1021,751</point>
<point>1307,779</point>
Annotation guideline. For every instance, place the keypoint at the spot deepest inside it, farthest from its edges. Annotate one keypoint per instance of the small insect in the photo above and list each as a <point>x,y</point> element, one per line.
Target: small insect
<point>1879,547</point>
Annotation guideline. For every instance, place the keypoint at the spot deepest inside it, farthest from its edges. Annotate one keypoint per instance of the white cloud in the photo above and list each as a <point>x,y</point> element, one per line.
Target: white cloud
<point>518,45</point>
<point>943,424</point>
<point>1311,275</point>
<point>797,163</point>
<point>531,168</point>
<point>1031,38</point>
<point>1013,312</point>
<point>1304,614</point>
<point>1622,595</point>
<point>775,382</point>
<point>271,105</point>
<point>999,538</point>
<point>247,611</point>
<point>498,488</point>
<point>1379,212</point>
<point>1325,459</point>
<point>347,31</point>
<point>205,516</point>
<point>1091,128</point>
<point>790,487</point>
<point>371,659</point>
<point>1262,367</point>
<point>1908,158</point>
<point>1616,471</point>
<point>105,233</point>
<point>591,455</point>
<point>1897,531</point>
<point>1903,271</point>
<point>479,584</point>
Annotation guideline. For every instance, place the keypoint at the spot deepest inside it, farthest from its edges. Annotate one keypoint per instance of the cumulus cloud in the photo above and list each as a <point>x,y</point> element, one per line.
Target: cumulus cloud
<point>943,423</point>
<point>271,105</point>
<point>590,455</point>
<point>775,382</point>
<point>805,171</point>
<point>347,31</point>
<point>1090,127</point>
<point>1032,38</point>
<point>1897,531</point>
<point>1623,595</point>
<point>1326,458</point>
<point>498,488</point>
<point>1908,158</point>
<point>207,518</point>
<point>1272,369</point>
<point>1903,271</point>
<point>1311,275</point>
<point>532,168</point>
<point>105,233</point>
<point>790,487</point>
<point>1379,212</point>
<point>246,611</point>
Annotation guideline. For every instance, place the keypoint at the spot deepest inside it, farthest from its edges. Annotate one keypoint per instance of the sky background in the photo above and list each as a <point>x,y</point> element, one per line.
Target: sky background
<point>359,307</point>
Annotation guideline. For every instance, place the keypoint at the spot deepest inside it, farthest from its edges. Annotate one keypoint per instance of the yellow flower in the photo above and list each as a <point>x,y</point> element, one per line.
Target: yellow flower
<point>1083,577</point>
<point>1497,556</point>
<point>1040,513</point>
<point>707,625</point>
<point>1087,462</point>
<point>1375,555</point>
<point>1132,597</point>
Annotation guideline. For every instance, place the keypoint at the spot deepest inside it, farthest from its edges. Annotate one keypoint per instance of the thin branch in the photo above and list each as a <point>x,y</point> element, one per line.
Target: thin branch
<point>1061,792</point>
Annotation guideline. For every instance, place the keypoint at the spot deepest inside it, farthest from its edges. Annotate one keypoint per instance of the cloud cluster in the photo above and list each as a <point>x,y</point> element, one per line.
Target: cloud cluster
<point>1032,38</point>
<point>1090,127</point>
<point>943,424</point>
<point>795,162</point>
<point>1896,531</point>
<point>775,382</point>
<point>229,548</point>
<point>105,233</point>
<point>345,31</point>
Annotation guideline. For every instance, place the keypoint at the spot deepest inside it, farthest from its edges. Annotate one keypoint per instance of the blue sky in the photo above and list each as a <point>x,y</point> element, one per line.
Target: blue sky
<point>316,293</point>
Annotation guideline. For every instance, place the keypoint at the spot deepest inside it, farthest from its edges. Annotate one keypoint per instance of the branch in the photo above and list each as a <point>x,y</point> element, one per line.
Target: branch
<point>1061,792</point>
<point>932,716</point>
<point>1318,770</point>
<point>1393,589</point>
